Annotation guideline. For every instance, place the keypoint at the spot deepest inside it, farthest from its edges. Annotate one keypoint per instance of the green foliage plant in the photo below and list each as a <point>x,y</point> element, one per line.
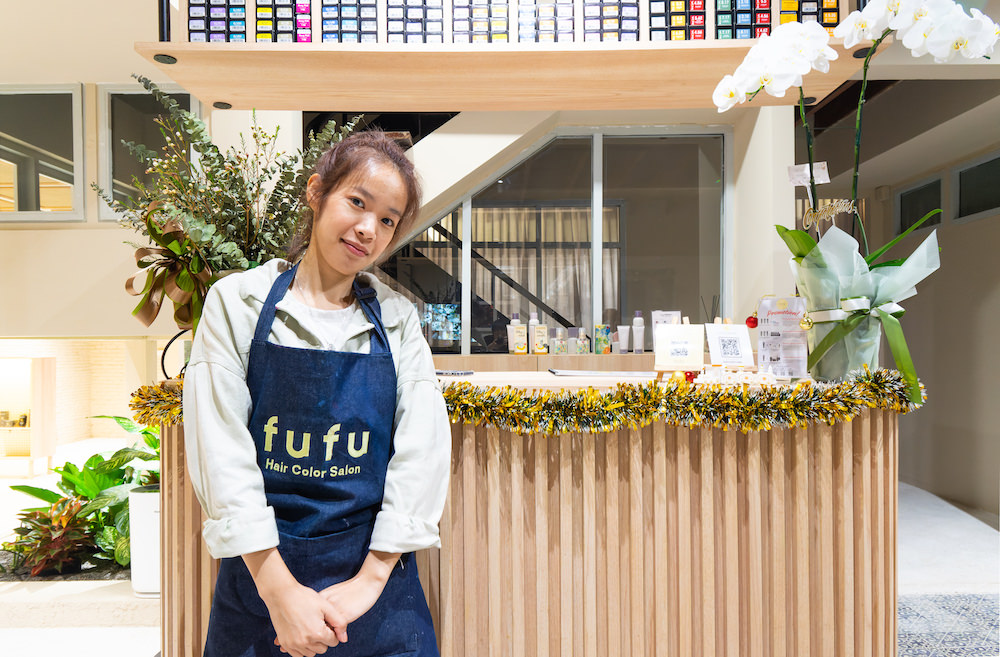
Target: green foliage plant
<point>208,213</point>
<point>101,487</point>
<point>53,540</point>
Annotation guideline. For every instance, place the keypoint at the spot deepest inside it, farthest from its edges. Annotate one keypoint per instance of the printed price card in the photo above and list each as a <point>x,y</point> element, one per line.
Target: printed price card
<point>781,342</point>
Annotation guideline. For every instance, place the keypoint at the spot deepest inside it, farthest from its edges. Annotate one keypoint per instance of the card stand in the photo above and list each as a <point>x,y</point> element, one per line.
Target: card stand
<point>611,21</point>
<point>545,21</point>
<point>217,21</point>
<point>480,21</point>
<point>351,21</point>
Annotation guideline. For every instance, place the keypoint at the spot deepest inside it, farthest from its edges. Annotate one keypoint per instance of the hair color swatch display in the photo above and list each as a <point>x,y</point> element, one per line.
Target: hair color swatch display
<point>742,19</point>
<point>825,12</point>
<point>283,21</point>
<point>217,20</point>
<point>545,21</point>
<point>480,21</point>
<point>677,20</point>
<point>349,21</point>
<point>610,21</point>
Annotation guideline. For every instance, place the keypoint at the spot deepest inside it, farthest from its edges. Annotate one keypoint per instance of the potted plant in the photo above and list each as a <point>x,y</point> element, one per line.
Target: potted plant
<point>851,294</point>
<point>207,212</point>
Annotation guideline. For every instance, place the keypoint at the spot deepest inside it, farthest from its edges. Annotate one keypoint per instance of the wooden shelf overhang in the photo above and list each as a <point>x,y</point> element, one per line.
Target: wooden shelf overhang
<point>455,78</point>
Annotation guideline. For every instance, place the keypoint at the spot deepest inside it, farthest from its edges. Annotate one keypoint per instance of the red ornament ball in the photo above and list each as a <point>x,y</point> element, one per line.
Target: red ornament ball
<point>752,321</point>
<point>690,376</point>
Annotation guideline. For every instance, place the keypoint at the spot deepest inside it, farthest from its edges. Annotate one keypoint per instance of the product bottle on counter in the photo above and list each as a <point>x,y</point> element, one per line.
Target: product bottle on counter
<point>559,343</point>
<point>539,337</point>
<point>582,342</point>
<point>638,333</point>
<point>517,336</point>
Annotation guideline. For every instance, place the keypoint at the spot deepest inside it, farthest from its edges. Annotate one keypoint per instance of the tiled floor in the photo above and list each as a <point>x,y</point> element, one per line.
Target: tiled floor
<point>949,576</point>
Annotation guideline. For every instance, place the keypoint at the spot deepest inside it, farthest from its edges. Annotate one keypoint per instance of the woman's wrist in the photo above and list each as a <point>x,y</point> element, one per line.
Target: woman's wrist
<point>377,567</point>
<point>269,572</point>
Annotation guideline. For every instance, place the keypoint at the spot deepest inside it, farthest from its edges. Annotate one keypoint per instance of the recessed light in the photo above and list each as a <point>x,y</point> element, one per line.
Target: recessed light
<point>164,59</point>
<point>221,105</point>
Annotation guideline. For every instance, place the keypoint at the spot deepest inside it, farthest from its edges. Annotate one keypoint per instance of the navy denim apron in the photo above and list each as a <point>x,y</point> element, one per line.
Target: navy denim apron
<point>322,424</point>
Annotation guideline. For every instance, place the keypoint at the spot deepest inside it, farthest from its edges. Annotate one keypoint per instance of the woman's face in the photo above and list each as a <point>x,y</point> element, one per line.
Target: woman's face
<point>357,220</point>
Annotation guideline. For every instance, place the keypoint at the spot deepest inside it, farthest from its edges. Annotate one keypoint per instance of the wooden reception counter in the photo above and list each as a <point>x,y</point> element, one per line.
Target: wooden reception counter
<point>659,540</point>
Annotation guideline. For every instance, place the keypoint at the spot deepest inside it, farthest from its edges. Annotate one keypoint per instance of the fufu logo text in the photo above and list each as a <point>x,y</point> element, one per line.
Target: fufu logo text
<point>301,445</point>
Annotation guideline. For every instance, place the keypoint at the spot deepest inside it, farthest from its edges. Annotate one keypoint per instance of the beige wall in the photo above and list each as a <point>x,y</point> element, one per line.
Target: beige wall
<point>951,446</point>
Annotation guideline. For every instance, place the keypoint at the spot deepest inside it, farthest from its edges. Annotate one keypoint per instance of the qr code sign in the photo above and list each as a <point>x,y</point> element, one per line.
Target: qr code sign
<point>730,347</point>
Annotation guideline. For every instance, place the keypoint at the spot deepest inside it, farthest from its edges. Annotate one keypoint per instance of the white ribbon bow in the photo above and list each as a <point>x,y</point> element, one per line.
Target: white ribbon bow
<point>850,306</point>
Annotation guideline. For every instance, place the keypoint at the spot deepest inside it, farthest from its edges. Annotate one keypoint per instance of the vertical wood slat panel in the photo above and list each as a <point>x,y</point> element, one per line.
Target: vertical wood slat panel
<point>800,583</point>
<point>635,577</point>
<point>664,519</point>
<point>617,499</point>
<point>187,570</point>
<point>612,510</point>
<point>823,482</point>
<point>563,592</point>
<point>777,505</point>
<point>681,593</point>
<point>862,538</point>
<point>843,512</point>
<point>708,550</point>
<point>755,547</point>
<point>878,531</point>
<point>589,545</point>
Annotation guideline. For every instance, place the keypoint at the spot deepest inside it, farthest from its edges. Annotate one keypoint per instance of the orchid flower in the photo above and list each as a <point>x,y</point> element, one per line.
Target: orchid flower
<point>727,95</point>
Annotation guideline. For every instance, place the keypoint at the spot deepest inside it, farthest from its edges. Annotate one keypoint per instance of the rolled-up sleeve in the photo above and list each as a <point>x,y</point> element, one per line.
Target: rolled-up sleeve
<point>221,456</point>
<point>416,482</point>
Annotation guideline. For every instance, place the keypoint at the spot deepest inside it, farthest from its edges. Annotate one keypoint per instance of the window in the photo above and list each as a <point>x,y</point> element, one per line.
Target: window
<point>977,188</point>
<point>128,115</point>
<point>531,242</point>
<point>914,203</point>
<point>41,147</point>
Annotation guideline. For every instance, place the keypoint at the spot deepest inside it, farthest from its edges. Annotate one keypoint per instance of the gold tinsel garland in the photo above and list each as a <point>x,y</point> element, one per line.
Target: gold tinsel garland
<point>158,404</point>
<point>631,405</point>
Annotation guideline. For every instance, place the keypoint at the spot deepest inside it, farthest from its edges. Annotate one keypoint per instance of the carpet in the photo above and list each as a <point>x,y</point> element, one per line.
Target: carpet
<point>949,625</point>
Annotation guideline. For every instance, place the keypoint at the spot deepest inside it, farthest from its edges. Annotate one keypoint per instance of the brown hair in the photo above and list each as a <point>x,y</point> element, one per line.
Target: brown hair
<point>339,163</point>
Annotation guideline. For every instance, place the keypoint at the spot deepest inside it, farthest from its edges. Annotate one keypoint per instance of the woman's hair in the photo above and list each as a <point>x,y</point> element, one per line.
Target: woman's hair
<point>339,163</point>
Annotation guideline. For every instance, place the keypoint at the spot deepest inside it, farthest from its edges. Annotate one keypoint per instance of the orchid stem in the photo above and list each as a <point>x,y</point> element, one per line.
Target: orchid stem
<point>813,200</point>
<point>857,135</point>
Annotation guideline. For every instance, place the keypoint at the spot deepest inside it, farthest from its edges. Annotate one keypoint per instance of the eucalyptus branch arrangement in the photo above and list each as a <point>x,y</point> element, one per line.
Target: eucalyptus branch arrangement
<point>207,212</point>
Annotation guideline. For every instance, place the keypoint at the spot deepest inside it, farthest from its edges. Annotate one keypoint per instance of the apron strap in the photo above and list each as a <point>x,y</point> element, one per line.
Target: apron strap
<point>373,311</point>
<point>277,292</point>
<point>365,296</point>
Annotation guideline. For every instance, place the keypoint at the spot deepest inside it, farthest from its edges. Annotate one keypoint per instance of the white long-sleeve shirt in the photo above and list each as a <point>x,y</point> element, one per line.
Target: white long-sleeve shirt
<point>221,455</point>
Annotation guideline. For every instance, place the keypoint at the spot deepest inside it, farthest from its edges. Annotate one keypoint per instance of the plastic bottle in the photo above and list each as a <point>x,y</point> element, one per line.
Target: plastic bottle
<point>533,321</point>
<point>638,333</point>
<point>517,336</point>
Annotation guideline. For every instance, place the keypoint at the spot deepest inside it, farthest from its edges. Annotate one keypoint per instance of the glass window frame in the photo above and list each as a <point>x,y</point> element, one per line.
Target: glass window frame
<point>597,133</point>
<point>104,161</point>
<point>77,214</point>
<point>897,205</point>
<point>956,190</point>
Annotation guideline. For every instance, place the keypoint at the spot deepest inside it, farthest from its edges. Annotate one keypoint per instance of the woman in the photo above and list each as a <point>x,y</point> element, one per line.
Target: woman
<point>317,438</point>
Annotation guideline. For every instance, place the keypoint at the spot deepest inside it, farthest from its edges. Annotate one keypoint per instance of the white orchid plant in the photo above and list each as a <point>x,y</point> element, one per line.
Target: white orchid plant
<point>777,62</point>
<point>852,296</point>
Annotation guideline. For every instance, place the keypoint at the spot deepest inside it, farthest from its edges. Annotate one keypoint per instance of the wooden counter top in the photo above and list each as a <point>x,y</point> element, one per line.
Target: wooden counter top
<point>527,380</point>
